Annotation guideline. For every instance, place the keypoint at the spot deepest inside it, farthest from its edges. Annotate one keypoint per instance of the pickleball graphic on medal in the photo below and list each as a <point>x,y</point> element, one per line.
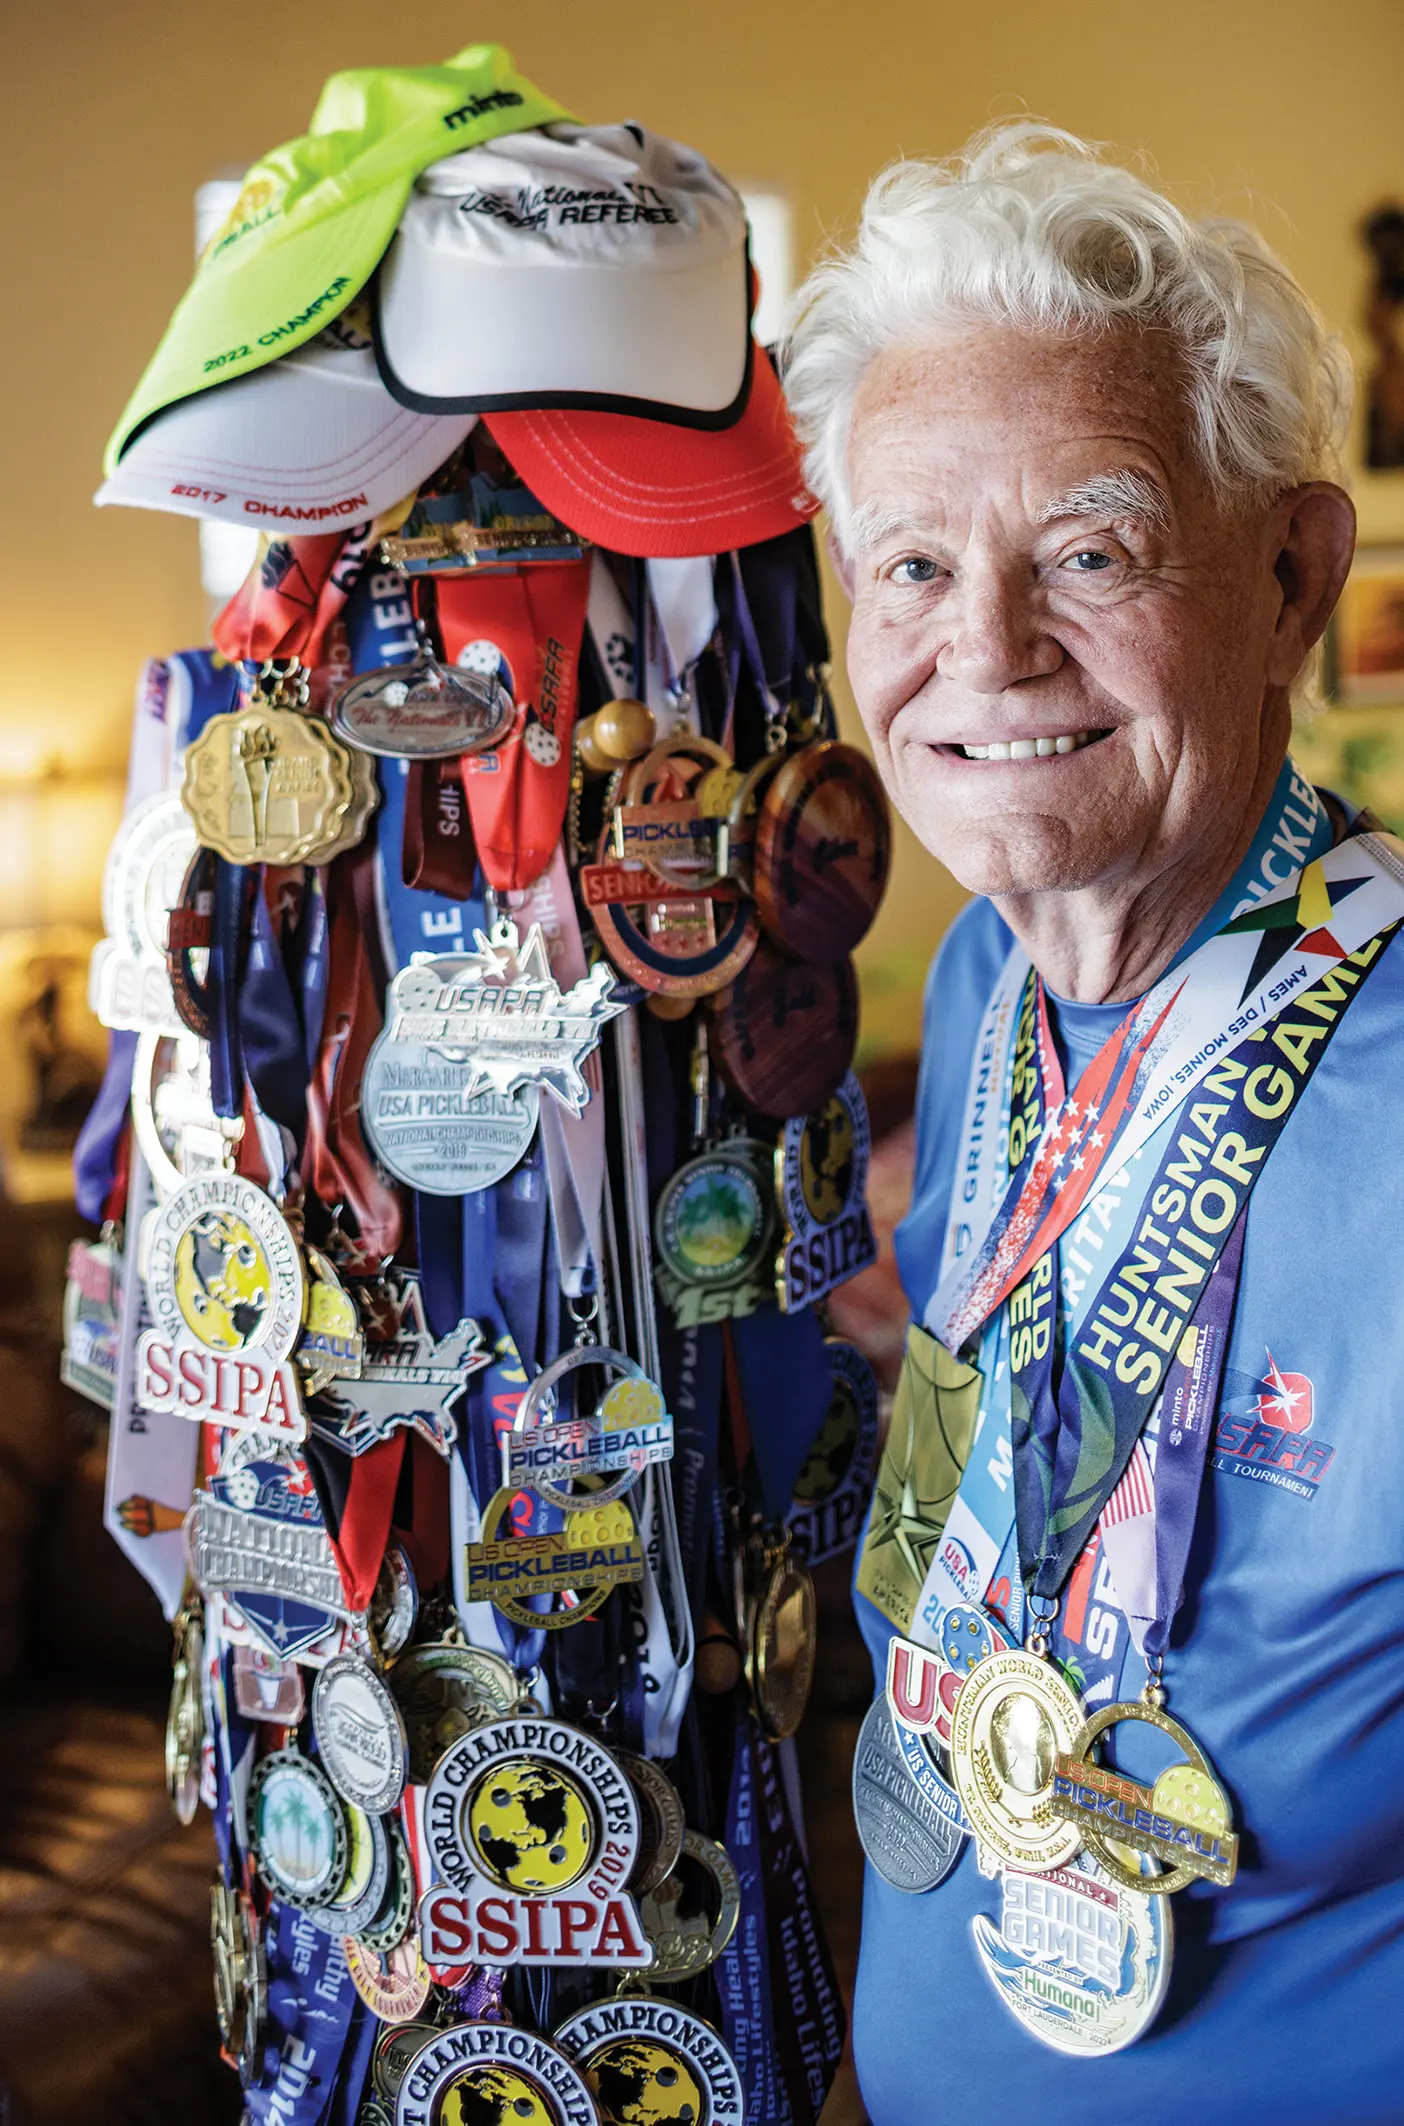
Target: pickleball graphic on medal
<point>638,2082</point>
<point>531,1828</point>
<point>223,1281</point>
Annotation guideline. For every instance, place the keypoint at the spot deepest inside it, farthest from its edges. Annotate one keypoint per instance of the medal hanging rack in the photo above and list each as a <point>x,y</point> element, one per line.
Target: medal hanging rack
<point>492,1140</point>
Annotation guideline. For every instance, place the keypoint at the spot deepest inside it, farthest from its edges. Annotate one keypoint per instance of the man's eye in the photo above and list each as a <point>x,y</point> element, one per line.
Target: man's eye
<point>1089,559</point>
<point>915,569</point>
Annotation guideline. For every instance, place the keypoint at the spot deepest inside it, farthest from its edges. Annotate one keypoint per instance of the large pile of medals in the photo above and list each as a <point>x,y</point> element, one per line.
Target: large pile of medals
<point>478,1145</point>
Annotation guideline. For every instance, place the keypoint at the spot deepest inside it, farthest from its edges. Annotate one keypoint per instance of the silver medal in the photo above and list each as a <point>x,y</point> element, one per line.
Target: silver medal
<point>360,1735</point>
<point>911,1841</point>
<point>424,711</point>
<point>429,1128</point>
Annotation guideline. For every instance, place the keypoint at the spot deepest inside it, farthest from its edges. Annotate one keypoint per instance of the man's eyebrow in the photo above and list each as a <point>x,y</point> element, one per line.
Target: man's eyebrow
<point>871,524</point>
<point>1127,493</point>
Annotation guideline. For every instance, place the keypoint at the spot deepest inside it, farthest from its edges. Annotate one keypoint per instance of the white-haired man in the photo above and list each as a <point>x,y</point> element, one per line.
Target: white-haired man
<point>1133,1577</point>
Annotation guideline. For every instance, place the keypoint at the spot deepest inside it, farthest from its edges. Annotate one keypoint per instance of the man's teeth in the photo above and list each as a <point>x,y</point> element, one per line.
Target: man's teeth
<point>1029,748</point>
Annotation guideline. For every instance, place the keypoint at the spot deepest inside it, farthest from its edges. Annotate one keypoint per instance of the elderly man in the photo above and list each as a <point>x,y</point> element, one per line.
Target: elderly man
<point>1133,1579</point>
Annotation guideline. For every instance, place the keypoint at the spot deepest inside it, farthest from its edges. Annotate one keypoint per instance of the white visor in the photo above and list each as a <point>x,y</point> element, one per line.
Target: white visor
<point>574,266</point>
<point>312,441</point>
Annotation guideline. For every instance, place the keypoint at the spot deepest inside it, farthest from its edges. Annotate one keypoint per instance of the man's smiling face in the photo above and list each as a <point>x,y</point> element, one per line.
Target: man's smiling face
<point>1062,643</point>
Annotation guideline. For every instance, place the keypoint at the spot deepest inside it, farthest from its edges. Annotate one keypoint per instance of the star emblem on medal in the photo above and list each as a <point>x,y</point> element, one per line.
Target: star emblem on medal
<point>412,1380</point>
<point>502,1011</point>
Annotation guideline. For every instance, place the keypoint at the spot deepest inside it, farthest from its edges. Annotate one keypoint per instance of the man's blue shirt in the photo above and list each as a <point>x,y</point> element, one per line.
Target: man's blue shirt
<point>1286,1661</point>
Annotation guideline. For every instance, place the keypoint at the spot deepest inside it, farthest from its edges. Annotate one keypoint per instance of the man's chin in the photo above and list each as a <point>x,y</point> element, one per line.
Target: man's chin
<point>1015,856</point>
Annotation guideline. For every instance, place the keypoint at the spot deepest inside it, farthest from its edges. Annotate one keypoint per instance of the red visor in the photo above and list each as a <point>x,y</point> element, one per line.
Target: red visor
<point>649,488</point>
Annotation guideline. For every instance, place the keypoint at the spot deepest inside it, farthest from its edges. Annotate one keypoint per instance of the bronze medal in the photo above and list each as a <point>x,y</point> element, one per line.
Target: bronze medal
<point>823,849</point>
<point>671,943</point>
<point>394,1987</point>
<point>783,1036</point>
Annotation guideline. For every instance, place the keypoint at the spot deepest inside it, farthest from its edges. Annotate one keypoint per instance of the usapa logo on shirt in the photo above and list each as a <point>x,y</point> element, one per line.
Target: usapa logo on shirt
<point>1265,1431</point>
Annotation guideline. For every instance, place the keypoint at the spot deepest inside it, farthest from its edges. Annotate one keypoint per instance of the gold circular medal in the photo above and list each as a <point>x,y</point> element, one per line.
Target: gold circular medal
<point>692,1914</point>
<point>780,1647</point>
<point>662,1823</point>
<point>1013,1716</point>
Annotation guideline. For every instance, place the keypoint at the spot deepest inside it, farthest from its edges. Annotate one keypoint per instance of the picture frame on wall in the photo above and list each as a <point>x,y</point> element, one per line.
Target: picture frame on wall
<point>1365,641</point>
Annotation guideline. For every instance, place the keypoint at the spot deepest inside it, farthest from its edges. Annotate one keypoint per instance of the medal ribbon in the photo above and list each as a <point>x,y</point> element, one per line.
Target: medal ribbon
<point>743,1968</point>
<point>517,792</point>
<point>1072,1437</point>
<point>1160,1053</point>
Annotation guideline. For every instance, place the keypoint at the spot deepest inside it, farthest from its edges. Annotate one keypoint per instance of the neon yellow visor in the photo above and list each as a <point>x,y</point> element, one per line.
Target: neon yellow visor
<point>314,217</point>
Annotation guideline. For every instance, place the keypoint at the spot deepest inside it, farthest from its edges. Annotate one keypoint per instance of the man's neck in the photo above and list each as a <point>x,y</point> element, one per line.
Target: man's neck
<point>1108,942</point>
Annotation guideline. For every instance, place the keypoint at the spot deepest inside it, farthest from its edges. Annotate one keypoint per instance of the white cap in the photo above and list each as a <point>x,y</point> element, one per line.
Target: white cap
<point>310,442</point>
<point>573,266</point>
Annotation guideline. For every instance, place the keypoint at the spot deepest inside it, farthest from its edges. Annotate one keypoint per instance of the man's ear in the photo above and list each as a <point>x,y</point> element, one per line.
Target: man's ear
<point>1313,561</point>
<point>841,562</point>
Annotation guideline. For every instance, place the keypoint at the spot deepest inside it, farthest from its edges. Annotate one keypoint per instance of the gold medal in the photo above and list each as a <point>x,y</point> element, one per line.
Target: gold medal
<point>781,1622</point>
<point>1013,1717</point>
<point>1183,1820</point>
<point>365,796</point>
<point>443,1691</point>
<point>597,1550</point>
<point>692,1914</point>
<point>240,1978</point>
<point>268,784</point>
<point>185,1717</point>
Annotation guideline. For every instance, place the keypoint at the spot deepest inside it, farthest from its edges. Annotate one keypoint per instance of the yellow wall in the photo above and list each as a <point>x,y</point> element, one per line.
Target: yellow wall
<point>1284,109</point>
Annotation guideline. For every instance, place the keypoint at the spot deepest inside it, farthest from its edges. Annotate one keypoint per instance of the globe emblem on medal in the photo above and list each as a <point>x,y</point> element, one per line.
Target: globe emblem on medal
<point>826,1161</point>
<point>493,2096</point>
<point>223,1281</point>
<point>531,1827</point>
<point>638,2082</point>
<point>1022,1744</point>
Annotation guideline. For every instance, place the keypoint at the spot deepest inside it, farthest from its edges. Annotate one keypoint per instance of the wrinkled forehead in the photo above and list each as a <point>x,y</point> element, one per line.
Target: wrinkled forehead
<point>1002,408</point>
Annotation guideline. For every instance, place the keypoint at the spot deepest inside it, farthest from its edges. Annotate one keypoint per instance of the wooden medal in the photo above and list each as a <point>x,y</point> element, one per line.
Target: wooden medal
<point>823,848</point>
<point>782,1035</point>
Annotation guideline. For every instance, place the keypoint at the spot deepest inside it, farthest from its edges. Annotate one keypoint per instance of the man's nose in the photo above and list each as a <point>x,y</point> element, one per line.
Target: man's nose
<point>998,631</point>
